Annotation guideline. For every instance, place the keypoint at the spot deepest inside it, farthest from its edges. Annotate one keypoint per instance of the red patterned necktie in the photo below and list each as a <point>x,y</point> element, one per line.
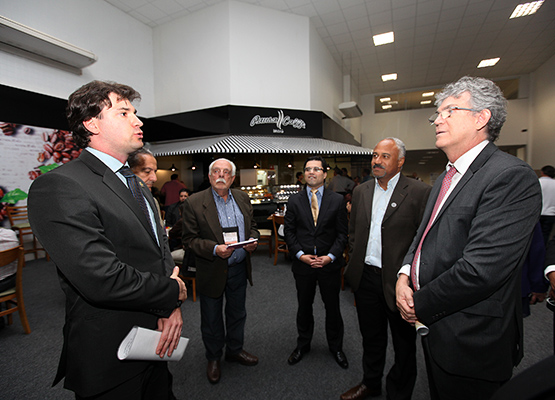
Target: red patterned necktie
<point>445,184</point>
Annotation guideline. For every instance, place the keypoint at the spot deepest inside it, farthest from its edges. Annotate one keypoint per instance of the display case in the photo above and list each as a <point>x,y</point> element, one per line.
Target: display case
<point>282,192</point>
<point>258,194</point>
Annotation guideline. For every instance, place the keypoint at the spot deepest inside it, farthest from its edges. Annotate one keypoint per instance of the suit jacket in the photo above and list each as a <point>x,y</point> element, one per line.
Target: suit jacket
<point>328,236</point>
<point>550,252</point>
<point>470,266</point>
<point>401,220</point>
<point>202,231</point>
<point>113,272</point>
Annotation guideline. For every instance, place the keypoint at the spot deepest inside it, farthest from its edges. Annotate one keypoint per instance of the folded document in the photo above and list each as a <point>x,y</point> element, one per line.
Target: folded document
<point>140,344</point>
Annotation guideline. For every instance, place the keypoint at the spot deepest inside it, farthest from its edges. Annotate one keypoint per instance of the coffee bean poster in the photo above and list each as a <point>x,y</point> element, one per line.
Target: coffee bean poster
<point>26,152</point>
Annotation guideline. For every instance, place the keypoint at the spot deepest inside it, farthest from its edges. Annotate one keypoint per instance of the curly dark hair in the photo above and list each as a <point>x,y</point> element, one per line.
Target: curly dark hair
<point>88,101</point>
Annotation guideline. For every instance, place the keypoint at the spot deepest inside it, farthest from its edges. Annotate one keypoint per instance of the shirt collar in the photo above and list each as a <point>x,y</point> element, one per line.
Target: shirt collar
<point>463,162</point>
<point>392,182</point>
<point>309,190</point>
<point>111,162</point>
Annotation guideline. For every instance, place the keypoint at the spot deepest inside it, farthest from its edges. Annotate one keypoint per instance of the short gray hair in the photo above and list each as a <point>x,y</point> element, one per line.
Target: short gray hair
<point>135,159</point>
<point>233,167</point>
<point>484,94</point>
<point>400,146</point>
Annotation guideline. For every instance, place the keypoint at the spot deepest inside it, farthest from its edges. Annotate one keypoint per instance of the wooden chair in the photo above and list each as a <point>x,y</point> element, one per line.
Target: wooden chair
<point>20,223</point>
<point>181,261</point>
<point>280,244</point>
<point>266,239</point>
<point>14,297</point>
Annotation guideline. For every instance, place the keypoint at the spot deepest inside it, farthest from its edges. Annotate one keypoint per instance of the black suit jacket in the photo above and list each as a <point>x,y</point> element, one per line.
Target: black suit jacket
<point>470,266</point>
<point>202,231</point>
<point>113,272</point>
<point>401,220</point>
<point>328,236</point>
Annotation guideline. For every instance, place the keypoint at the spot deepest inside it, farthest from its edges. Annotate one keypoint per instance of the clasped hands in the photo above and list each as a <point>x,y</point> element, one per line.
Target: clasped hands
<point>315,261</point>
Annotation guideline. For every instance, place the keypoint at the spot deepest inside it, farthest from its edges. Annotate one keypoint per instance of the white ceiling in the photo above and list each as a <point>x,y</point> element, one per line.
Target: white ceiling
<point>436,41</point>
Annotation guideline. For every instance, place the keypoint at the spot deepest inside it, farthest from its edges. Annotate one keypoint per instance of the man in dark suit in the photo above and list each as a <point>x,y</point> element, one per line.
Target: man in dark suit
<point>461,275</point>
<point>111,254</point>
<point>316,234</point>
<point>212,220</point>
<point>385,214</point>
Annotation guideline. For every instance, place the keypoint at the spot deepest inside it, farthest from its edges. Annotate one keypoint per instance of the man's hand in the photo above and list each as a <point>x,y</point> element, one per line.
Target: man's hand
<point>223,251</point>
<point>405,302</point>
<point>251,246</point>
<point>319,262</point>
<point>182,287</point>
<point>171,332</point>
<point>307,259</point>
<point>537,297</point>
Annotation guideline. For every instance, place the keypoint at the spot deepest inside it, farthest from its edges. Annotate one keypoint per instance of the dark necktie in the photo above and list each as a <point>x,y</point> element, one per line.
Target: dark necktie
<point>445,184</point>
<point>135,188</point>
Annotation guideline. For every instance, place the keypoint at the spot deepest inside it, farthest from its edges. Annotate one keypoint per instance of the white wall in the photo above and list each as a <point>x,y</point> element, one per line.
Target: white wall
<point>542,115</point>
<point>270,57</point>
<point>123,46</point>
<point>192,61</point>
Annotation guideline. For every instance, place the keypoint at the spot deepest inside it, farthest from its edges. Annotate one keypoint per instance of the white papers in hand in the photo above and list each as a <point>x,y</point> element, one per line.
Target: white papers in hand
<point>140,344</point>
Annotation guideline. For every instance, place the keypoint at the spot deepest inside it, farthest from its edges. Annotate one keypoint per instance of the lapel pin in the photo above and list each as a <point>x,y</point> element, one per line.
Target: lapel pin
<point>393,205</point>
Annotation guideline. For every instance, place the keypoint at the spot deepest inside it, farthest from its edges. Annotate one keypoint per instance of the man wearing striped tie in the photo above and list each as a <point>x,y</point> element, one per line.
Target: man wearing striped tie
<point>461,275</point>
<point>316,235</point>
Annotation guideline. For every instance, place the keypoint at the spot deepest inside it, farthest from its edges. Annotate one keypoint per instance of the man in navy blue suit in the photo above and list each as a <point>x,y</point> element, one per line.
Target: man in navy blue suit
<point>316,235</point>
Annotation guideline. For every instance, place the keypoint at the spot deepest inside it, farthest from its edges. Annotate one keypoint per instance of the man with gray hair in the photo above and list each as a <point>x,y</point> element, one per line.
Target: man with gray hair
<point>461,275</point>
<point>213,220</point>
<point>385,214</point>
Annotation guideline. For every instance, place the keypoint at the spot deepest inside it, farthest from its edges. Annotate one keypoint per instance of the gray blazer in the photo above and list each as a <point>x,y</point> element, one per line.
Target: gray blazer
<point>401,220</point>
<point>471,264</point>
<point>113,272</point>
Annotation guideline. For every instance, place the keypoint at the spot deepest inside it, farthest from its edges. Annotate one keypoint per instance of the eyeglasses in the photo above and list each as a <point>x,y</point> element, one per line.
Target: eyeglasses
<point>216,171</point>
<point>447,113</point>
<point>315,169</point>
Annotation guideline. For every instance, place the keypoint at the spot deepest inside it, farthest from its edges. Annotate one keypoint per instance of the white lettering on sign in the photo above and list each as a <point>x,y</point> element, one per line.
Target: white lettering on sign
<point>280,121</point>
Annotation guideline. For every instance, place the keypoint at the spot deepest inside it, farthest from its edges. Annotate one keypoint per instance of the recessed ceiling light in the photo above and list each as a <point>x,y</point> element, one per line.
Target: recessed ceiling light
<point>426,102</point>
<point>389,77</point>
<point>384,99</point>
<point>387,106</point>
<point>525,9</point>
<point>383,38</point>
<point>428,94</point>
<point>488,63</point>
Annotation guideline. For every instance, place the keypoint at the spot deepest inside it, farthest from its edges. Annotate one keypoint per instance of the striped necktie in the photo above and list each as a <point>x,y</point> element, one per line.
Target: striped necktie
<point>445,184</point>
<point>314,205</point>
<point>133,184</point>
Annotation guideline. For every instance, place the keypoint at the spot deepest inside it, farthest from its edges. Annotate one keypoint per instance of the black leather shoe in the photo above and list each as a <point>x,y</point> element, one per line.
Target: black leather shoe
<point>360,392</point>
<point>341,359</point>
<point>242,358</point>
<point>213,371</point>
<point>297,355</point>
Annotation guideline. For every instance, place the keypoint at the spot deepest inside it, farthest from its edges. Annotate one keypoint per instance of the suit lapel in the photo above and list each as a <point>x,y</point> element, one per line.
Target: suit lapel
<point>484,155</point>
<point>368,198</point>
<point>211,215</point>
<point>397,197</point>
<point>110,179</point>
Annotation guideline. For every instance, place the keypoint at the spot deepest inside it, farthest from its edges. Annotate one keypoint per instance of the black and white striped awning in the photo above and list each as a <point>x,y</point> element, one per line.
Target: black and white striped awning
<point>237,144</point>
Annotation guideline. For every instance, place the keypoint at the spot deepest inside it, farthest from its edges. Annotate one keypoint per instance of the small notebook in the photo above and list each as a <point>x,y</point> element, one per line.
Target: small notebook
<point>140,344</point>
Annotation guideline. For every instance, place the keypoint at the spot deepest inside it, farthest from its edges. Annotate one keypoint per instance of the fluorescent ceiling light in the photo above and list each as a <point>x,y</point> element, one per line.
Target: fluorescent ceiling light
<point>426,102</point>
<point>393,102</point>
<point>488,63</point>
<point>389,77</point>
<point>525,9</point>
<point>383,38</point>
<point>428,94</point>
<point>387,106</point>
<point>384,99</point>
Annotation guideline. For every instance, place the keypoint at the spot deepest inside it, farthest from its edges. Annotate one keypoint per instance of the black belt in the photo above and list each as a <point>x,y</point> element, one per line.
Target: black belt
<point>373,268</point>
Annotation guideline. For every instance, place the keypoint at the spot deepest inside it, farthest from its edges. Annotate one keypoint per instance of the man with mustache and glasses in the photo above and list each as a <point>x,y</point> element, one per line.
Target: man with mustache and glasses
<point>385,214</point>
<point>213,219</point>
